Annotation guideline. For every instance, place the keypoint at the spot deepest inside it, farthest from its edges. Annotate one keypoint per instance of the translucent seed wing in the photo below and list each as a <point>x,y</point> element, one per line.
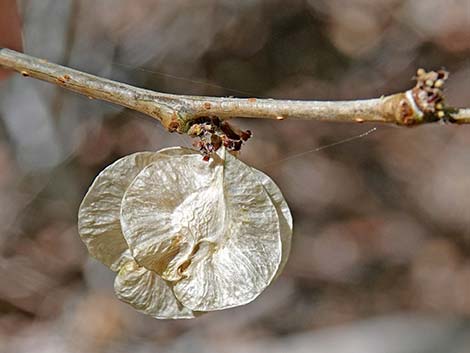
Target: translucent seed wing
<point>148,293</point>
<point>169,206</point>
<point>98,217</point>
<point>241,264</point>
<point>284,214</point>
<point>211,228</point>
<point>178,151</point>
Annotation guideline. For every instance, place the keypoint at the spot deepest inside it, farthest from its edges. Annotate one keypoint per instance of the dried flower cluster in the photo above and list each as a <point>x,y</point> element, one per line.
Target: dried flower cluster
<point>428,94</point>
<point>184,235</point>
<point>214,133</point>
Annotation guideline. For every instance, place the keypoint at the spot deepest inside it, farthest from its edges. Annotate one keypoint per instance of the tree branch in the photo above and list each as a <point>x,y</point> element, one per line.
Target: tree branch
<point>422,104</point>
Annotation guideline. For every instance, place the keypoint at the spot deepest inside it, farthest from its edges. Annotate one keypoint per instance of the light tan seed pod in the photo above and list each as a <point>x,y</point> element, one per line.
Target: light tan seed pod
<point>211,228</point>
<point>202,236</point>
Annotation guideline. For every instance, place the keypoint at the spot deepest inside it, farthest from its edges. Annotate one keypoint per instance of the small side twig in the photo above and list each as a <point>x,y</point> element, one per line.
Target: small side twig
<point>202,116</point>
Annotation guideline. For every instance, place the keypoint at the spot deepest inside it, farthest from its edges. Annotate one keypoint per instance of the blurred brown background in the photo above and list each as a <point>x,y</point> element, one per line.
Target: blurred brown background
<point>381,250</point>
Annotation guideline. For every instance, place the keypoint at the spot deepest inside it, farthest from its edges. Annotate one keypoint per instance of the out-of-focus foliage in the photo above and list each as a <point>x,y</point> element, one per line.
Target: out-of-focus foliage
<point>382,224</point>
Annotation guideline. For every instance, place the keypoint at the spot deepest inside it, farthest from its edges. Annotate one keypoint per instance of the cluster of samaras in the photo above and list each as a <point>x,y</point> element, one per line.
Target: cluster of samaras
<point>185,235</point>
